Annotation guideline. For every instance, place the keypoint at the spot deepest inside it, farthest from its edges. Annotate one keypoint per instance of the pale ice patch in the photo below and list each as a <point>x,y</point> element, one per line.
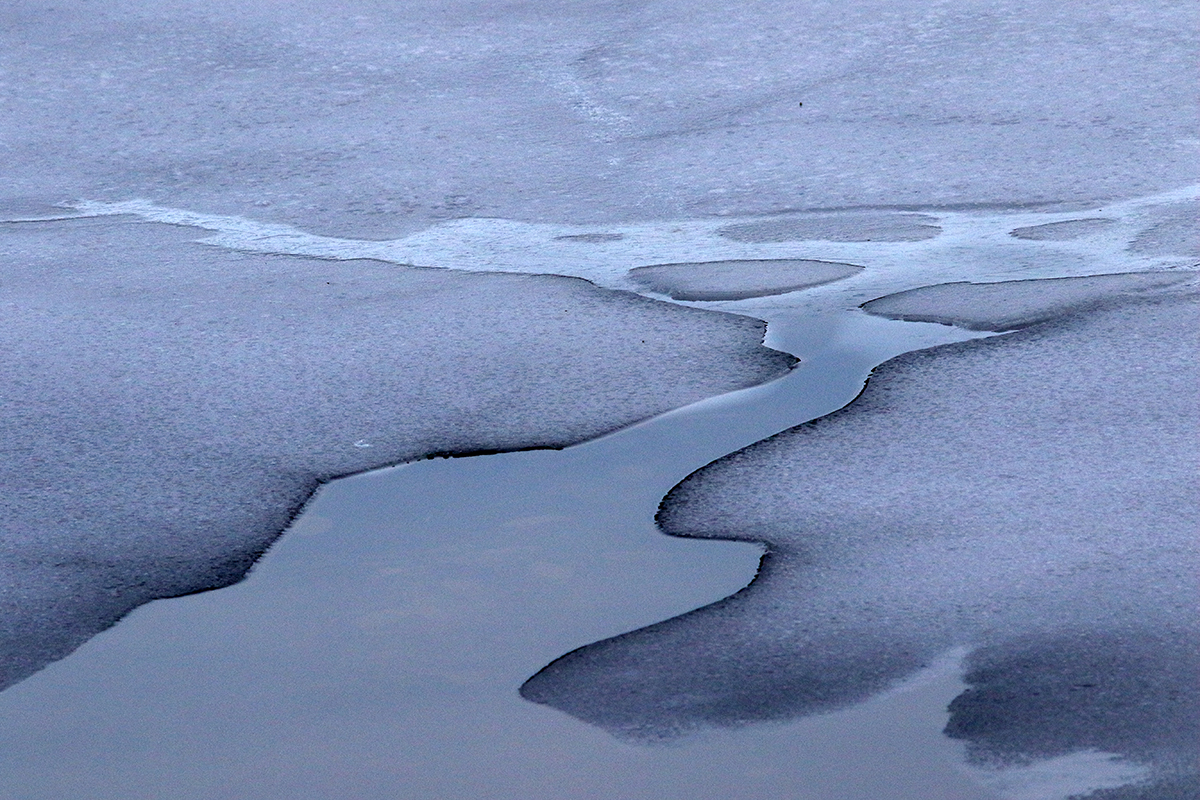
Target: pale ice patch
<point>1075,775</point>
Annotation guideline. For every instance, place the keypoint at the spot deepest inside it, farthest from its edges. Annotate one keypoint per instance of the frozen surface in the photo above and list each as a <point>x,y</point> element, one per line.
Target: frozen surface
<point>1033,496</point>
<point>170,406</point>
<point>363,119</point>
<point>1008,305</point>
<point>245,262</point>
<point>1177,231</point>
<point>167,278</point>
<point>584,139</point>
<point>738,280</point>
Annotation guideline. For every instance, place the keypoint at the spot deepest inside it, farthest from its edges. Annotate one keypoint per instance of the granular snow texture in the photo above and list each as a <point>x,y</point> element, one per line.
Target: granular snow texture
<point>372,120</point>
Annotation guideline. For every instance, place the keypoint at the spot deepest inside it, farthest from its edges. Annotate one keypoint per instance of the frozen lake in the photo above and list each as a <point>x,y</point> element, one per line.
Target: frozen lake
<point>248,249</point>
<point>380,644</point>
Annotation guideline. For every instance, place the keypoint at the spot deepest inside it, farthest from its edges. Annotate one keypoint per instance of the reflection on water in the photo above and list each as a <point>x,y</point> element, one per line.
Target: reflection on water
<point>378,648</point>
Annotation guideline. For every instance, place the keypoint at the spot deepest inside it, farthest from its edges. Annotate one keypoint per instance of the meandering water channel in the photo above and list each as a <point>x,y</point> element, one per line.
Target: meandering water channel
<point>376,651</point>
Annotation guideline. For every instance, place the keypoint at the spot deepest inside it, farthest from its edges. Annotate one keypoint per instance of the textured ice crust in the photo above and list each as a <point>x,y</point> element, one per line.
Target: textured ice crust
<point>1146,234</point>
<point>1007,305</point>
<point>1032,495</point>
<point>738,280</point>
<point>170,406</point>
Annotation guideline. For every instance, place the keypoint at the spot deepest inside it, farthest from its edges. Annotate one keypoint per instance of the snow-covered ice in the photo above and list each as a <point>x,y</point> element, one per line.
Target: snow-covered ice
<point>364,119</point>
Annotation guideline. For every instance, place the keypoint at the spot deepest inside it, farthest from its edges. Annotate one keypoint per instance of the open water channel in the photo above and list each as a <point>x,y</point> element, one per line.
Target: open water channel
<point>377,650</point>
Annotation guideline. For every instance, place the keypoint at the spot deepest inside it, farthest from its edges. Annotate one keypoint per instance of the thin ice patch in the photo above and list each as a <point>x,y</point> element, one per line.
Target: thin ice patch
<point>1073,775</point>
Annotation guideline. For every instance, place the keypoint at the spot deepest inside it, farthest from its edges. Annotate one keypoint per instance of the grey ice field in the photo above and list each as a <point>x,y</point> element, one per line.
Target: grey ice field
<point>579,275</point>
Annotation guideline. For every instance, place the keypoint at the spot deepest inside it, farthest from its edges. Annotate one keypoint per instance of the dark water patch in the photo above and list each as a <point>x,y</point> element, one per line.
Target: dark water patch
<point>1081,690</point>
<point>377,649</point>
<point>1062,231</point>
<point>738,280</point>
<point>1008,305</point>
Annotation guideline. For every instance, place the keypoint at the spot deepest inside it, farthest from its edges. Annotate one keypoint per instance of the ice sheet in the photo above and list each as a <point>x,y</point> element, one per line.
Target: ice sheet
<point>1062,231</point>
<point>861,227</point>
